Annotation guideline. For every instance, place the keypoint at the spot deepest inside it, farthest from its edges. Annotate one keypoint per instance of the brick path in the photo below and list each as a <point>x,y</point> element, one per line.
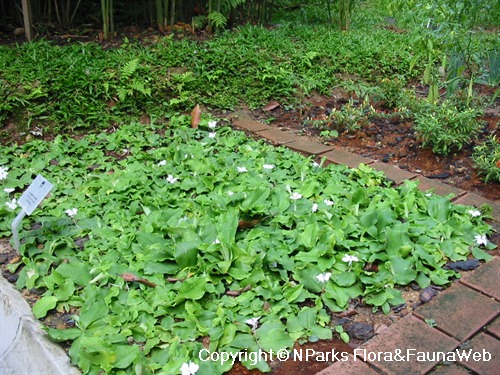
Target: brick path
<point>465,317</point>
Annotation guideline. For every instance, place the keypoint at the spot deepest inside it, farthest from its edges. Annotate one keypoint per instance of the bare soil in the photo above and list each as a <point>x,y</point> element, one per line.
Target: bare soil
<point>389,139</point>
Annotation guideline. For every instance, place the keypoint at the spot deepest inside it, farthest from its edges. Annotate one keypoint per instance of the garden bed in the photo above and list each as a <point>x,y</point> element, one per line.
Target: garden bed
<point>388,137</point>
<point>161,235</point>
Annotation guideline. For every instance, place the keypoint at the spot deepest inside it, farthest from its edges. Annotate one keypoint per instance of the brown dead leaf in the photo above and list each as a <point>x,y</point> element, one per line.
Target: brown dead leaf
<point>271,105</point>
<point>244,224</point>
<point>195,116</point>
<point>129,277</point>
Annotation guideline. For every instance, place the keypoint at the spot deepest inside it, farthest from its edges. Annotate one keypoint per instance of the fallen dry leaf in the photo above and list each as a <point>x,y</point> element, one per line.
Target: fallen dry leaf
<point>195,116</point>
<point>131,278</point>
<point>244,224</point>
<point>271,105</point>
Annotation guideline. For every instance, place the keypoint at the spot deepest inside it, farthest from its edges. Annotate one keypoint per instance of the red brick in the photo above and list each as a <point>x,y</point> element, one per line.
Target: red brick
<point>396,174</point>
<point>277,137</point>
<point>456,311</point>
<point>354,366</point>
<point>438,187</point>
<point>308,147</point>
<point>471,199</point>
<point>346,158</point>
<point>485,278</point>
<point>448,369</point>
<point>408,333</point>
<point>484,343</point>
<point>245,122</point>
<point>494,328</point>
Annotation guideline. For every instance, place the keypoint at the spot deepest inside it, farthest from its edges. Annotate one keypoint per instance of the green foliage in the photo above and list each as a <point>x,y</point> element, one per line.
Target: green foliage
<point>444,127</point>
<point>163,202</point>
<point>217,19</point>
<point>351,116</point>
<point>486,157</point>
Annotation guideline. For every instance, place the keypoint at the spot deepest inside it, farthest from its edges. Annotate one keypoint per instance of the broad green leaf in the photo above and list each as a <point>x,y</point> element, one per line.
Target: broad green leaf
<point>192,288</point>
<point>307,317</point>
<point>439,208</point>
<point>91,311</point>
<point>61,335</point>
<point>65,290</point>
<point>256,199</point>
<point>185,253</point>
<point>310,235</point>
<point>44,305</point>
<point>227,224</point>
<point>402,270</point>
<point>344,278</point>
<point>320,333</point>
<point>273,336</point>
<point>126,355</point>
<point>78,272</point>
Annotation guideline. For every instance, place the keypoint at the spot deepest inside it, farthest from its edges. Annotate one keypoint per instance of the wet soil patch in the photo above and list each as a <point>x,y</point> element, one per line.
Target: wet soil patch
<point>389,138</point>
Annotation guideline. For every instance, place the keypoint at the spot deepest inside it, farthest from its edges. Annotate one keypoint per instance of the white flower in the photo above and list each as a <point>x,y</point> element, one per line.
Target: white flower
<point>481,240</point>
<point>12,204</point>
<point>212,124</point>
<point>314,207</point>
<point>230,193</point>
<point>212,135</point>
<point>172,179</point>
<point>71,212</point>
<point>254,322</point>
<point>268,166</point>
<point>295,196</point>
<point>241,169</point>
<point>163,162</point>
<point>428,195</point>
<point>350,258</point>
<point>3,173</point>
<point>37,133</point>
<point>328,202</point>
<point>314,164</point>
<point>190,368</point>
<point>9,190</point>
<point>216,241</point>
<point>324,277</point>
<point>474,213</point>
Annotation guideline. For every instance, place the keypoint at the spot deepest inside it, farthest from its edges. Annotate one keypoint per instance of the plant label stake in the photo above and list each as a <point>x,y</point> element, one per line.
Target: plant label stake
<point>30,200</point>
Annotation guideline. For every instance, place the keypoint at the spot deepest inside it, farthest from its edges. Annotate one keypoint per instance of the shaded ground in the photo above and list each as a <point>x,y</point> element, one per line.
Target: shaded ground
<point>389,139</point>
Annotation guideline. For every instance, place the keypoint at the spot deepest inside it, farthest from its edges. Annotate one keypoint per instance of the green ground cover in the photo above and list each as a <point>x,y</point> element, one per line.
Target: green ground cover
<point>141,240</point>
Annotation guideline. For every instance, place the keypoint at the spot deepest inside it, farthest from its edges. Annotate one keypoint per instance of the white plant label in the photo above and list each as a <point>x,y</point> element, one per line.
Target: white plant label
<point>30,200</point>
<point>35,193</point>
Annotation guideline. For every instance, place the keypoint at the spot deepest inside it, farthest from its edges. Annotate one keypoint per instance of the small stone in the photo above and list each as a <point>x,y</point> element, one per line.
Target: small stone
<point>464,265</point>
<point>427,294</point>
<point>439,175</point>
<point>361,331</point>
<point>4,258</point>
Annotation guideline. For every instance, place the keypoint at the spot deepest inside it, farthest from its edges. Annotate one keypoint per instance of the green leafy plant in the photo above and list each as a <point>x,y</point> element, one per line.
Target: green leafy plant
<point>351,117</point>
<point>444,127</point>
<point>166,236</point>
<point>431,322</point>
<point>486,157</point>
<point>342,334</point>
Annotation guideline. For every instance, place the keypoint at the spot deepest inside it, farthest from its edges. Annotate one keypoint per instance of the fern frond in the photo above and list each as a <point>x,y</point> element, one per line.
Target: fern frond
<point>129,68</point>
<point>217,19</point>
